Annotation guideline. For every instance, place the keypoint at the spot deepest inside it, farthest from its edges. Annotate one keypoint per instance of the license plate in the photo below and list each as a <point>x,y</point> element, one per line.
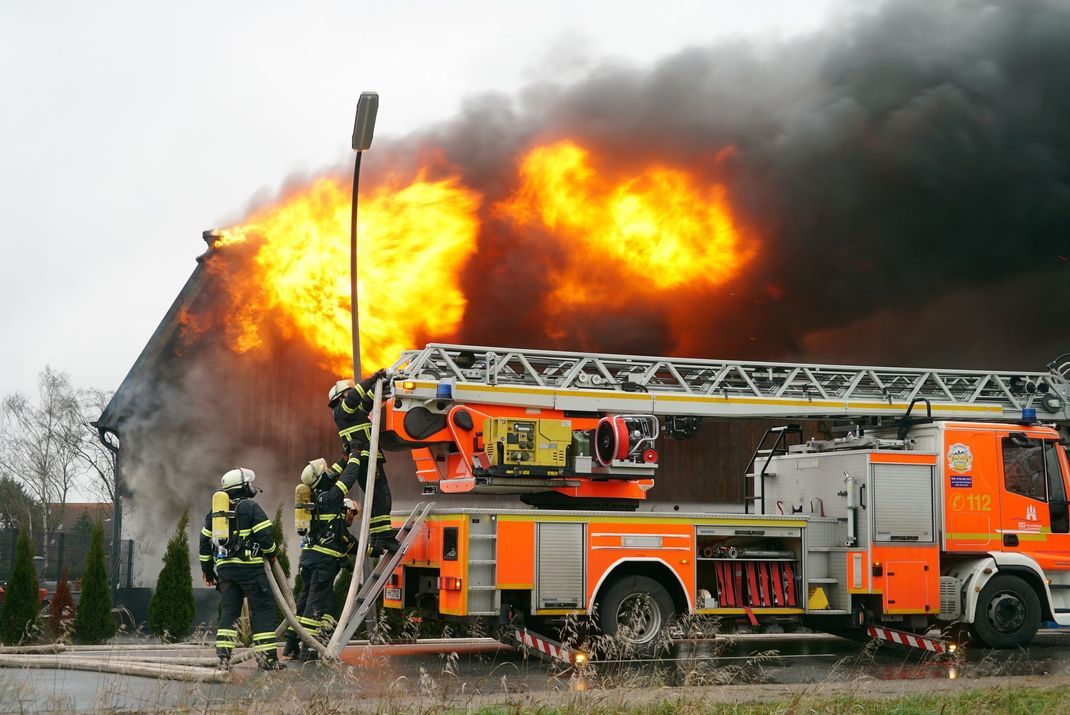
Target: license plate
<point>392,594</point>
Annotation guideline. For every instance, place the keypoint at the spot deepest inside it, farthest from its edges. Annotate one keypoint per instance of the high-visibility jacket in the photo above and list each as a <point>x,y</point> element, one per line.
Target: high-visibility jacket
<point>251,538</point>
<point>327,533</point>
<point>351,418</point>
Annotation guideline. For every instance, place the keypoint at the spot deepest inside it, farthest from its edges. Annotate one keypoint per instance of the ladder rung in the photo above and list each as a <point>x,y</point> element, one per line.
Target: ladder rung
<point>482,562</point>
<point>482,588</point>
<point>482,536</point>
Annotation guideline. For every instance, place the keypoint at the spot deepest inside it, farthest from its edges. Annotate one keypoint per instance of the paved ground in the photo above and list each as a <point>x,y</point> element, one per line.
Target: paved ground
<point>478,672</point>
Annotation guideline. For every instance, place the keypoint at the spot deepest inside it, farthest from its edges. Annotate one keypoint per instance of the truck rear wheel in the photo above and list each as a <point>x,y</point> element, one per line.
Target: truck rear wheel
<point>1008,613</point>
<point>635,610</point>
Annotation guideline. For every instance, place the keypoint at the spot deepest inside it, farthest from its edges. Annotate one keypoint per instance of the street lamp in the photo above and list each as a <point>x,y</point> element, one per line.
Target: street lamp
<point>363,128</point>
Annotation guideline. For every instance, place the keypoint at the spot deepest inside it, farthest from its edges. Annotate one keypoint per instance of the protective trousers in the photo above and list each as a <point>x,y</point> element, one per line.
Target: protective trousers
<point>235,584</point>
<point>316,600</point>
<point>382,502</point>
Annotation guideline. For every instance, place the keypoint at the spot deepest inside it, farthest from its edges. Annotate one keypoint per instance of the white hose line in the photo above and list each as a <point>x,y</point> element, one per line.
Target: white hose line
<point>136,646</point>
<point>280,578</point>
<point>164,660</point>
<point>303,634</point>
<point>27,649</point>
<point>335,646</point>
<point>167,672</point>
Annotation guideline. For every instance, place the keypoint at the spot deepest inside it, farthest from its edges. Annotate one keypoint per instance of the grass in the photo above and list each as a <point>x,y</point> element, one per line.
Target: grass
<point>1001,700</point>
<point>707,677</point>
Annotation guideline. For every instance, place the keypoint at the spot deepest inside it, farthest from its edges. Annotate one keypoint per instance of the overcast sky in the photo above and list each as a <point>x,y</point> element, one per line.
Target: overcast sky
<point>126,128</point>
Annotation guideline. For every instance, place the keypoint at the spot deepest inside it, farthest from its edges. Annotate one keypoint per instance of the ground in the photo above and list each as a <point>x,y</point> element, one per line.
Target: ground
<point>785,673</point>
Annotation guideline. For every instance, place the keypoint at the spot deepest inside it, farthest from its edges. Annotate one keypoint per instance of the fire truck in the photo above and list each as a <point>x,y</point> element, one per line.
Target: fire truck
<point>945,504</point>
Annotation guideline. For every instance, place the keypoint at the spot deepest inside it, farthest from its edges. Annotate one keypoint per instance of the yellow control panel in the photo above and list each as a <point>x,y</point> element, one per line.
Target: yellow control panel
<point>512,441</point>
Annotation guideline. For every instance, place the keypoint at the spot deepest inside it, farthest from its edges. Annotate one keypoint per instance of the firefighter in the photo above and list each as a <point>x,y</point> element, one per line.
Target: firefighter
<point>233,562</point>
<point>325,549</point>
<point>350,405</point>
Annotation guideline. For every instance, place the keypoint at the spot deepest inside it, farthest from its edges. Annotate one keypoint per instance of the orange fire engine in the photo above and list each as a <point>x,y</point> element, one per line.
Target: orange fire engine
<point>911,521</point>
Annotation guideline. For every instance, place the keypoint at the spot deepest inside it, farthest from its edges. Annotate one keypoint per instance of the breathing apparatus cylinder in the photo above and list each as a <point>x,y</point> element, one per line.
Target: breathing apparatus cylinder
<point>221,514</point>
<point>302,509</point>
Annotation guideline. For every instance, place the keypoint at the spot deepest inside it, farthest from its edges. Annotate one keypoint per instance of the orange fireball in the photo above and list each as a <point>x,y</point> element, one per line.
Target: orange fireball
<point>661,224</point>
<point>413,241</point>
<point>623,237</point>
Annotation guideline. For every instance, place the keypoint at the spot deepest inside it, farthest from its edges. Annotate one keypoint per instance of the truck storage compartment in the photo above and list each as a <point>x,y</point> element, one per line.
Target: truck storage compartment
<point>747,567</point>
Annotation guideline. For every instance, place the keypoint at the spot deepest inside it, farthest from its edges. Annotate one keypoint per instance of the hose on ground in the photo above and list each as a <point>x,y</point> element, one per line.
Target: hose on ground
<point>122,667</point>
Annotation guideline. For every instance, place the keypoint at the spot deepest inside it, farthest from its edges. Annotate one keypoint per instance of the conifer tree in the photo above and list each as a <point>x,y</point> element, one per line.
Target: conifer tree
<point>94,622</point>
<point>279,535</point>
<point>172,610</point>
<point>341,590</point>
<point>61,609</point>
<point>18,615</point>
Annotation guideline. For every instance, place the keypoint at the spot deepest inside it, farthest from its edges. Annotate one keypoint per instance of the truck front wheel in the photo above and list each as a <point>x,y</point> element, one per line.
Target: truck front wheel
<point>634,611</point>
<point>1008,613</point>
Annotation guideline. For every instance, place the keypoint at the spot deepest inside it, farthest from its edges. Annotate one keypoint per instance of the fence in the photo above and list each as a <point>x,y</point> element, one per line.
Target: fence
<point>65,549</point>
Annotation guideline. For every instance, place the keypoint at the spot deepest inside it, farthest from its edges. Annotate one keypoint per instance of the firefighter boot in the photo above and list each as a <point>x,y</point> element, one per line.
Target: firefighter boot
<point>268,661</point>
<point>224,658</point>
<point>309,654</point>
<point>385,542</point>
<point>292,649</point>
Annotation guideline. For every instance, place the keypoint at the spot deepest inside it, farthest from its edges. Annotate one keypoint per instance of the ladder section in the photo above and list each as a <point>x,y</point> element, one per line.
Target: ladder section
<point>720,388</point>
<point>774,442</point>
<point>376,581</point>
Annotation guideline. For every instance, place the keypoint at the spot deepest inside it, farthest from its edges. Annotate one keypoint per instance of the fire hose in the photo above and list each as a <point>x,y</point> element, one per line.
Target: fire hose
<point>287,611</point>
<point>169,671</point>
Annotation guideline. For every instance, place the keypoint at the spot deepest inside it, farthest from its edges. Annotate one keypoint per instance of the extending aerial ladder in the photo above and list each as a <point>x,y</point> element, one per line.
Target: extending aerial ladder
<point>445,395</point>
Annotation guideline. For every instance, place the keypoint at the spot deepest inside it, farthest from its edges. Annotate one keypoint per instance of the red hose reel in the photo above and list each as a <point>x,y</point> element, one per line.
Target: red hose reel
<point>625,438</point>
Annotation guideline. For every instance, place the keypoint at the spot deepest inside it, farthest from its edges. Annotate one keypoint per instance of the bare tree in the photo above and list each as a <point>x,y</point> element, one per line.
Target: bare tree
<point>98,460</point>
<point>37,441</point>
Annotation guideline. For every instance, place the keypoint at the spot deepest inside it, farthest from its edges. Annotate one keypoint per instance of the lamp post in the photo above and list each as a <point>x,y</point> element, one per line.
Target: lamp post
<point>363,128</point>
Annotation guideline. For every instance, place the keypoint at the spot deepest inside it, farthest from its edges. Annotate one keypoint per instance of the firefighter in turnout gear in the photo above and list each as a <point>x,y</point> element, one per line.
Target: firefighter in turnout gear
<point>325,549</point>
<point>350,405</point>
<point>235,540</point>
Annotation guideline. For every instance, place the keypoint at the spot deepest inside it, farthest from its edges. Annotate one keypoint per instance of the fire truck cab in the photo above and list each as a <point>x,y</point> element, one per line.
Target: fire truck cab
<point>953,522</point>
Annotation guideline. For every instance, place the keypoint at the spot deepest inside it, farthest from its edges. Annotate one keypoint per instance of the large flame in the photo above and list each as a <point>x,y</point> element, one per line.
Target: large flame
<point>413,241</point>
<point>660,225</point>
<point>626,239</point>
<point>614,238</point>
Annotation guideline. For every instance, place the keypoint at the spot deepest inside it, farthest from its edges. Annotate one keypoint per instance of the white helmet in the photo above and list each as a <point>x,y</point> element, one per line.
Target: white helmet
<point>239,476</point>
<point>313,472</point>
<point>337,389</point>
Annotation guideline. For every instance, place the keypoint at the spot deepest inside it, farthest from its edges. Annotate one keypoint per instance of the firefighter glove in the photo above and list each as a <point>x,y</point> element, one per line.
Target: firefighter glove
<point>209,575</point>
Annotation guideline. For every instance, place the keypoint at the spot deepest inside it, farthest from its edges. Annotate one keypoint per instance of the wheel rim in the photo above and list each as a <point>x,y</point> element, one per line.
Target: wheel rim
<point>1006,612</point>
<point>638,619</point>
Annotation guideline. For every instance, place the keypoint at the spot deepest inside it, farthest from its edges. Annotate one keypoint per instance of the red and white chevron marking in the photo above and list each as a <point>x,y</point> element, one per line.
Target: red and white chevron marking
<point>907,639</point>
<point>545,646</point>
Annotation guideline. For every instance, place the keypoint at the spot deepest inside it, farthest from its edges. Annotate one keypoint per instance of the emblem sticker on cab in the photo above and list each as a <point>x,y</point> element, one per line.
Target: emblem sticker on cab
<point>959,458</point>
